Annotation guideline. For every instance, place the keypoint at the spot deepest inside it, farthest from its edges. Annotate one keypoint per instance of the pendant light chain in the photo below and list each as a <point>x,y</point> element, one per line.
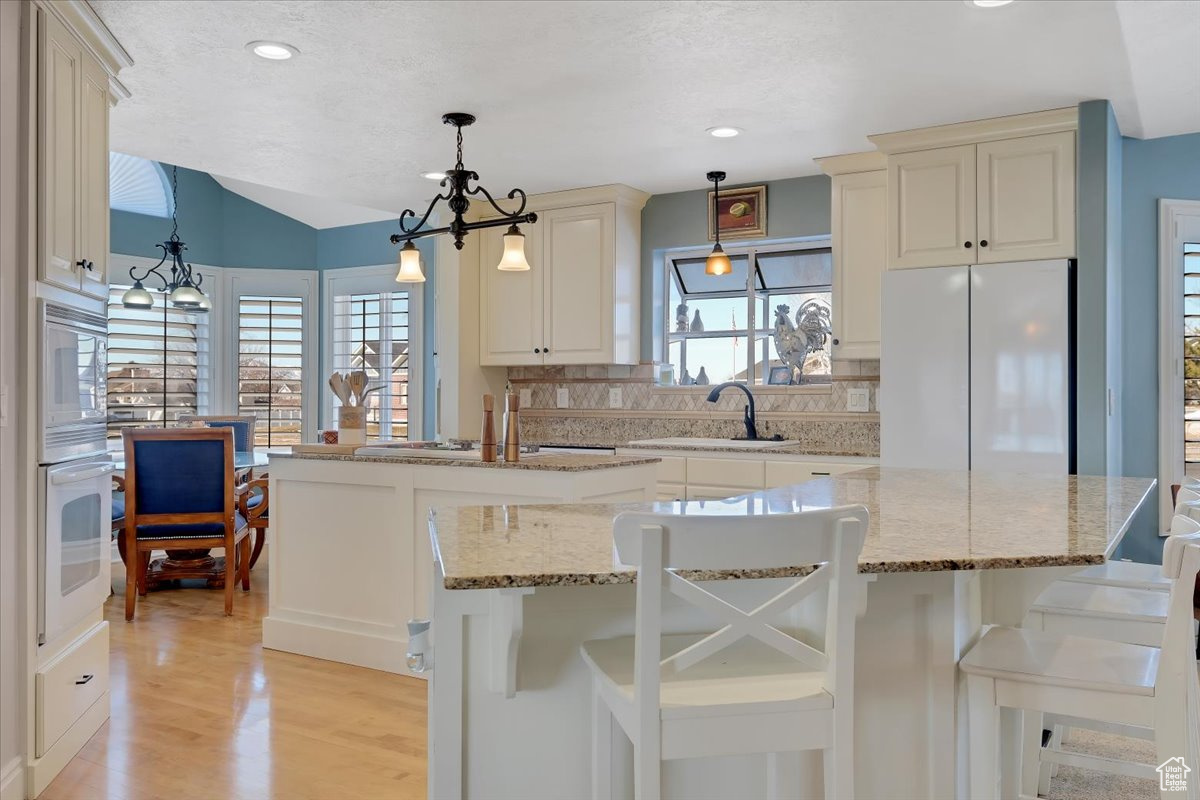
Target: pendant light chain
<point>458,165</point>
<point>174,202</point>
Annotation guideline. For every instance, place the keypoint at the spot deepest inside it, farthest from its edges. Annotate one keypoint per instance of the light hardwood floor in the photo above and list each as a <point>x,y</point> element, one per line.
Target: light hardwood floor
<point>201,711</point>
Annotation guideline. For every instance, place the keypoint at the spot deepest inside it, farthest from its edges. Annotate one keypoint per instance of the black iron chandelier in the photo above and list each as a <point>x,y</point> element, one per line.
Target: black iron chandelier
<point>183,287</point>
<point>457,198</point>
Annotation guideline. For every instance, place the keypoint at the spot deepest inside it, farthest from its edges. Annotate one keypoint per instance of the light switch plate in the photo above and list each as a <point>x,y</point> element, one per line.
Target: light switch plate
<point>526,398</point>
<point>614,397</point>
<point>563,398</point>
<point>858,400</point>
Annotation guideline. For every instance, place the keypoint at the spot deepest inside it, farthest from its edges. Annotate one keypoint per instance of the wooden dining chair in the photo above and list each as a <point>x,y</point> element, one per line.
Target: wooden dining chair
<point>254,504</point>
<point>242,425</point>
<point>179,491</point>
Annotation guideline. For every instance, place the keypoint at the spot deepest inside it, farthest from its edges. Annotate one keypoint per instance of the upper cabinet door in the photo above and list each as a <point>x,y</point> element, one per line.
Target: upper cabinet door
<point>510,303</point>
<point>579,245</point>
<point>931,216</point>
<point>859,252</point>
<point>1026,198</point>
<point>60,71</point>
<point>93,200</point>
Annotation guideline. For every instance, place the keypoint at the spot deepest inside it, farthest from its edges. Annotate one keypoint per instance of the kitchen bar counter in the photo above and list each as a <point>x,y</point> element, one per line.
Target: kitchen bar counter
<point>550,462</point>
<point>520,587</point>
<point>921,521</point>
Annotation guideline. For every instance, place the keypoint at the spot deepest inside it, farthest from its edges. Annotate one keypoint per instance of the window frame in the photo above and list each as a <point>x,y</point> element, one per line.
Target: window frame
<point>376,278</point>
<point>752,294</point>
<point>238,281</point>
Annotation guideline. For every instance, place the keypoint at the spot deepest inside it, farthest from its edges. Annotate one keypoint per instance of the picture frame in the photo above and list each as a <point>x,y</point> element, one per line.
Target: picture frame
<point>780,376</point>
<point>741,213</point>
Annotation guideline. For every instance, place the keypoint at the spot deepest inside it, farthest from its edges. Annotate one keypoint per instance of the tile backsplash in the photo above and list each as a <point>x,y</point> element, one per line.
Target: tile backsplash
<point>815,414</point>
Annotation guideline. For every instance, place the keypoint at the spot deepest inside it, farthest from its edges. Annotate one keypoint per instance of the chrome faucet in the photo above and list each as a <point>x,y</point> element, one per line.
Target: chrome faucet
<point>748,415</point>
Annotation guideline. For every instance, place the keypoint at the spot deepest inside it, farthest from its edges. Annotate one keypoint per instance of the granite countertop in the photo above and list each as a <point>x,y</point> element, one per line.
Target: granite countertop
<point>921,521</point>
<point>786,450</point>
<point>549,462</point>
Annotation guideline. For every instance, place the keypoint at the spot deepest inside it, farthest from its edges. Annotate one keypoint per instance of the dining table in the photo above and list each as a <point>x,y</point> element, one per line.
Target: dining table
<point>193,564</point>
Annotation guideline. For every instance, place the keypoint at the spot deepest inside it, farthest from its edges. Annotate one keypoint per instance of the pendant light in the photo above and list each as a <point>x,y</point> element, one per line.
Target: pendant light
<point>513,259</point>
<point>183,287</point>
<point>718,263</point>
<point>410,265</point>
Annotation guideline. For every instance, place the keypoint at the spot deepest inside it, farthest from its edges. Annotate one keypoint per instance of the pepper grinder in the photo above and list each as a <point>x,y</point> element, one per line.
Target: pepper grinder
<point>487,440</point>
<point>512,433</point>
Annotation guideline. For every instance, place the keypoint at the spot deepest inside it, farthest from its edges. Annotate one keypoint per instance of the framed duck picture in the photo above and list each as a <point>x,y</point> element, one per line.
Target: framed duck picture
<point>740,213</point>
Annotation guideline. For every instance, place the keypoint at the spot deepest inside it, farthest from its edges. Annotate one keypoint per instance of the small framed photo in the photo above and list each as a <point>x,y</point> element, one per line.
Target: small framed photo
<point>780,376</point>
<point>741,213</point>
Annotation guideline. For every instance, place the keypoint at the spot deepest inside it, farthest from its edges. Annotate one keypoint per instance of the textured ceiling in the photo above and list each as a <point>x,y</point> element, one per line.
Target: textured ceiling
<point>318,212</point>
<point>586,93</point>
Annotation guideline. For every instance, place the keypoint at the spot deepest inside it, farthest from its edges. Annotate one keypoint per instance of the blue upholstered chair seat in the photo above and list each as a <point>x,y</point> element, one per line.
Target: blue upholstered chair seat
<point>118,505</point>
<point>209,531</point>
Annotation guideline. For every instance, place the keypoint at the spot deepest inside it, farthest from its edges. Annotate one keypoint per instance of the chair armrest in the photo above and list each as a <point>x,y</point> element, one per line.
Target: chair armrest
<point>252,515</point>
<point>118,483</point>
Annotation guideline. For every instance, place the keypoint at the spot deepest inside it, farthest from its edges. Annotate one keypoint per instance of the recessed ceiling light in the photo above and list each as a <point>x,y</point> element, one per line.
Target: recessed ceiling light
<point>434,176</point>
<point>987,3</point>
<point>724,132</point>
<point>272,51</point>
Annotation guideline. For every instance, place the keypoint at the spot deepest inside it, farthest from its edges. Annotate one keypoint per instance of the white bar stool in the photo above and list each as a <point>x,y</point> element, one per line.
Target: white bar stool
<point>675,700</point>
<point>1111,682</point>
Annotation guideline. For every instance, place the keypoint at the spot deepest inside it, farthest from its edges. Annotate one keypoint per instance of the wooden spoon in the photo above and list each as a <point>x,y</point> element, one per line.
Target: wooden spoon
<point>338,384</point>
<point>358,386</point>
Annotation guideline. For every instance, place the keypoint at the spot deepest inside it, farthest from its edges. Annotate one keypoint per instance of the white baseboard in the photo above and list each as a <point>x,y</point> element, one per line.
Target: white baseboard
<point>12,780</point>
<point>347,647</point>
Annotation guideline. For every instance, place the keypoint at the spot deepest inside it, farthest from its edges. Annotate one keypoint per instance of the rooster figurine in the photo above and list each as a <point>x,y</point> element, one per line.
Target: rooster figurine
<point>807,335</point>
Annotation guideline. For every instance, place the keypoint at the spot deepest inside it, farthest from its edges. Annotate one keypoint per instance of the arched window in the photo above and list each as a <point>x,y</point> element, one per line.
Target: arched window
<point>138,185</point>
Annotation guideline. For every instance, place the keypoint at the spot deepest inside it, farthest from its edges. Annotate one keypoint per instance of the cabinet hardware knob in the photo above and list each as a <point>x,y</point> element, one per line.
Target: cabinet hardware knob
<point>545,349</point>
<point>967,245</point>
<point>537,349</point>
<point>983,242</point>
<point>84,680</point>
<point>835,341</point>
<point>84,264</point>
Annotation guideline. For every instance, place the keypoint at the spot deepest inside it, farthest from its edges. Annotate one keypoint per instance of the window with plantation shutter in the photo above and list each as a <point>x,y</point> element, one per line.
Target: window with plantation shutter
<point>270,366</point>
<point>371,332</point>
<point>1191,360</point>
<point>157,363</point>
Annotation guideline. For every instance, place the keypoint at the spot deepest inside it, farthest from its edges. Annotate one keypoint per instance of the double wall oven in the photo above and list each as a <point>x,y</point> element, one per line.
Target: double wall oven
<point>75,472</point>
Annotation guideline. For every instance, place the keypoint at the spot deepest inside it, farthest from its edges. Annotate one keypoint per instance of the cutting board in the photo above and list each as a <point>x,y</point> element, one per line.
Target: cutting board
<point>326,449</point>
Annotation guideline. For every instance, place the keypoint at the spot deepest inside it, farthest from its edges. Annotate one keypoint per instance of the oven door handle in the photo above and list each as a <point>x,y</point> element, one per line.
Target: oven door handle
<point>74,476</point>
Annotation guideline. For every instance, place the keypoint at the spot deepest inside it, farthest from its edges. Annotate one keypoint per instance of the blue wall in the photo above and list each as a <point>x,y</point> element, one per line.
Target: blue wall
<point>223,229</point>
<point>1152,169</point>
<point>795,207</point>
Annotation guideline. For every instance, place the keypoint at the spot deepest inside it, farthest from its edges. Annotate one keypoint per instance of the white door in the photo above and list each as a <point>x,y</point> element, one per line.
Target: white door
<point>859,252</point>
<point>1021,367</point>
<point>510,303</point>
<point>1026,206</point>
<point>931,208</point>
<point>579,284</point>
<point>59,81</point>
<point>93,198</point>
<point>924,384</point>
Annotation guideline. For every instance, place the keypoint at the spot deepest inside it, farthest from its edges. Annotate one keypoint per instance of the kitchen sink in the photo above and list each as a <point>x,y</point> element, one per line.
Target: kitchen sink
<point>722,444</point>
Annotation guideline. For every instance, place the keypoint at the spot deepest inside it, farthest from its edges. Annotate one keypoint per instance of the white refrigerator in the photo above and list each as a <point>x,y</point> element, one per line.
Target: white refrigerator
<point>977,367</point>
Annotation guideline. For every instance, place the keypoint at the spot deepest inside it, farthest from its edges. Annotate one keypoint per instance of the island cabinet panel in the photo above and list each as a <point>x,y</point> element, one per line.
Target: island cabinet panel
<point>931,207</point>
<point>720,472</point>
<point>859,217</point>
<point>351,559</point>
<point>1026,198</point>
<point>510,303</point>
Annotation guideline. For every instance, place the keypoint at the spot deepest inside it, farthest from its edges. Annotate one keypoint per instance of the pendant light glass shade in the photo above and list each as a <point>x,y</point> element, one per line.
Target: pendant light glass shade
<point>410,265</point>
<point>205,304</point>
<point>718,263</point>
<point>513,259</point>
<point>186,296</point>
<point>137,297</point>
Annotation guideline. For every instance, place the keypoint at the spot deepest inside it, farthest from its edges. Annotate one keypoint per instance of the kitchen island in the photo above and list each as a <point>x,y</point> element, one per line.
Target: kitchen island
<point>519,588</point>
<point>350,558</point>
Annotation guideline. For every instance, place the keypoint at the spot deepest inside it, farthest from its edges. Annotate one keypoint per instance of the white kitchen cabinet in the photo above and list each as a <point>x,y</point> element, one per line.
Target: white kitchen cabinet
<point>859,217</point>
<point>72,106</point>
<point>931,207</point>
<point>69,685</point>
<point>717,476</point>
<point>580,301</point>
<point>510,303</point>
<point>1026,198</point>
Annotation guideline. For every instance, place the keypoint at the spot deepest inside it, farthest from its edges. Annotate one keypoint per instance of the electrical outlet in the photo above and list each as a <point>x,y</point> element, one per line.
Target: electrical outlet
<point>858,400</point>
<point>563,397</point>
<point>614,397</point>
<point>526,398</point>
